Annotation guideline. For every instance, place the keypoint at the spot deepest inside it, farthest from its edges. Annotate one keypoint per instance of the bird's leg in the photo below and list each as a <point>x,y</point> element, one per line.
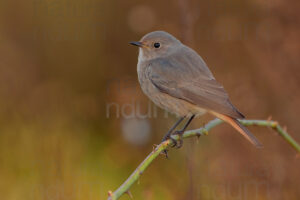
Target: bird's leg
<point>180,132</point>
<point>168,134</point>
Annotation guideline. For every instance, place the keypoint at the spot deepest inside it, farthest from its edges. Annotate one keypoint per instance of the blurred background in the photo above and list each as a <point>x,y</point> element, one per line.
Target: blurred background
<point>74,122</point>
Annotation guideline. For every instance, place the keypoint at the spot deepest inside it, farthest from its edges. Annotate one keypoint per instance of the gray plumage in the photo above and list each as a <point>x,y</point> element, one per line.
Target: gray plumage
<point>177,79</point>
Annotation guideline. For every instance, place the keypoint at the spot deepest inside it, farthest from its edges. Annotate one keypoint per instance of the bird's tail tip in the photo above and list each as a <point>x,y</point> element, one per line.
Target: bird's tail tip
<point>240,128</point>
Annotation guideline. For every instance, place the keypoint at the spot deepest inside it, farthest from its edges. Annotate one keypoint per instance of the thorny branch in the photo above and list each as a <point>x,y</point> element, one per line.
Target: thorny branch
<point>124,188</point>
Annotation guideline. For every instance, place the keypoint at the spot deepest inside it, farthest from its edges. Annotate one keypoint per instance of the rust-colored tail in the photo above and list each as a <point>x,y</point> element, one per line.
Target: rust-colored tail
<point>240,128</point>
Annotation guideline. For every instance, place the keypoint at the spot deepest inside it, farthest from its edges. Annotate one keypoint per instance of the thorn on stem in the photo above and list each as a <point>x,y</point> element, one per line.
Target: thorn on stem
<point>269,118</point>
<point>154,147</point>
<point>198,136</point>
<point>129,194</point>
<point>285,128</point>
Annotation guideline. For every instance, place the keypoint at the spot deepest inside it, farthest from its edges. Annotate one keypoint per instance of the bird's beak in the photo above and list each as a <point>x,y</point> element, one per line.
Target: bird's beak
<point>139,44</point>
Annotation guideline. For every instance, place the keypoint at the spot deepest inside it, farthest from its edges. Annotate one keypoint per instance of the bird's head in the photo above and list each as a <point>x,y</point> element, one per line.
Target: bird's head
<point>157,44</point>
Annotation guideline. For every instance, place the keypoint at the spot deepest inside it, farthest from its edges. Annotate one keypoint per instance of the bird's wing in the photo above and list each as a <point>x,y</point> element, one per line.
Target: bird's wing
<point>186,76</point>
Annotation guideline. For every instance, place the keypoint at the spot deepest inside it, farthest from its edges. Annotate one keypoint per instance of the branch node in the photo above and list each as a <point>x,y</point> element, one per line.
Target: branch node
<point>110,193</point>
<point>204,131</point>
<point>166,143</point>
<point>274,125</point>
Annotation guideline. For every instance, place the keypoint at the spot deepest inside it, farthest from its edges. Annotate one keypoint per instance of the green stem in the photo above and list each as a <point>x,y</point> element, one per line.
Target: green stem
<point>124,188</point>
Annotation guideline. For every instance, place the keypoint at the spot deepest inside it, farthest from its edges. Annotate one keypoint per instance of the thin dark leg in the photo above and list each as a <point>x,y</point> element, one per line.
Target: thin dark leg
<point>167,135</point>
<point>188,123</point>
<point>180,132</point>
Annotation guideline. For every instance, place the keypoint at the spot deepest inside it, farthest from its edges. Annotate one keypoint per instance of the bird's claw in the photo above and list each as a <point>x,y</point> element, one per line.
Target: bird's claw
<point>177,143</point>
<point>165,152</point>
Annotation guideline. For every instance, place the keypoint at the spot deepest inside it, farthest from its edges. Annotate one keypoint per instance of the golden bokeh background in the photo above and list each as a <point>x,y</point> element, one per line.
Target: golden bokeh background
<point>74,122</point>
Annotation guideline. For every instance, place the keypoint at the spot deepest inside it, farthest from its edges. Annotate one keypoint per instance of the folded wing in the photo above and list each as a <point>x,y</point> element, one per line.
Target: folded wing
<point>186,76</point>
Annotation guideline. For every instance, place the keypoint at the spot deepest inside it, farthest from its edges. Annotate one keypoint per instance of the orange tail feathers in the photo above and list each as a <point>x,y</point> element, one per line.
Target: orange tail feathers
<point>240,128</point>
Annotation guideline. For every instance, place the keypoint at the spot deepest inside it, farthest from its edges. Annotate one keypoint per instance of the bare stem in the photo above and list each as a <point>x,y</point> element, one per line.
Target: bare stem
<point>124,188</point>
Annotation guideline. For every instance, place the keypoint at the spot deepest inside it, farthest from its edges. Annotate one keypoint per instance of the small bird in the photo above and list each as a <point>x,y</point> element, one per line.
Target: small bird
<point>177,79</point>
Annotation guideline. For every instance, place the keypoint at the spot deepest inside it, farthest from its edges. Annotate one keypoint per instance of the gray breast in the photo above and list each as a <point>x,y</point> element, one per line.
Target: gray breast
<point>163,100</point>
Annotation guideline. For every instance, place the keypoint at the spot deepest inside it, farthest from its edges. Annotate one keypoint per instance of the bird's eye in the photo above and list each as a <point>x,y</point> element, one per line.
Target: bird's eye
<point>156,45</point>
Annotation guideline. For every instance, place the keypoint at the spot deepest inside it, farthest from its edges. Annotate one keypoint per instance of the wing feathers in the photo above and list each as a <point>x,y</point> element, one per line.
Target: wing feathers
<point>186,76</point>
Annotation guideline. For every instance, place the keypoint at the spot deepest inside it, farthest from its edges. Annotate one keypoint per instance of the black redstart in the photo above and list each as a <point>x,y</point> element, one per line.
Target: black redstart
<point>177,79</point>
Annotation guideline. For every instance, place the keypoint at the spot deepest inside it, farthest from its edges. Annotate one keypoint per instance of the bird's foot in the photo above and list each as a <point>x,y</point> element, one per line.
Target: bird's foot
<point>178,143</point>
<point>167,137</point>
